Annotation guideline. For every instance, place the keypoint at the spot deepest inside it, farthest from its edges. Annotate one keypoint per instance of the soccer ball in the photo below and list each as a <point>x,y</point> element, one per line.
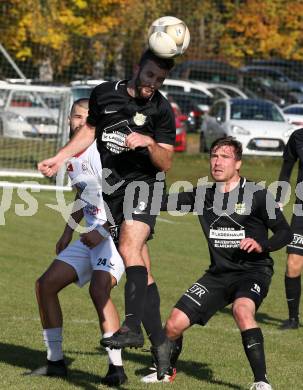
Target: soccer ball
<point>168,37</point>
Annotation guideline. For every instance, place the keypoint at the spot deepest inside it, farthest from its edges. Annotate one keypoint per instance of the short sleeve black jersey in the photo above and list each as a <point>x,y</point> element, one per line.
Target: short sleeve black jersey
<point>249,210</point>
<point>115,114</point>
<point>293,152</point>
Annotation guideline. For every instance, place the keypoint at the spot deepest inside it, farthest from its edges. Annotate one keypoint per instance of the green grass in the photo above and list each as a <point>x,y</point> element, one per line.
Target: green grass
<point>212,358</point>
<point>25,153</point>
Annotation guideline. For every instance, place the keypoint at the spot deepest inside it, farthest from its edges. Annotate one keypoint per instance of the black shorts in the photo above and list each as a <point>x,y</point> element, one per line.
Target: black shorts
<point>213,292</point>
<point>138,204</point>
<point>296,245</point>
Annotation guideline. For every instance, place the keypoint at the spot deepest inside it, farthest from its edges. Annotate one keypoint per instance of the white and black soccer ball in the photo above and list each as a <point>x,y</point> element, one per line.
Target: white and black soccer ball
<point>168,37</point>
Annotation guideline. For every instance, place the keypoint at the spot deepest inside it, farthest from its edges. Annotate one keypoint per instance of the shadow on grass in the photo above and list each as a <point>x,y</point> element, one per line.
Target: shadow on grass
<point>29,359</point>
<point>261,318</point>
<point>199,371</point>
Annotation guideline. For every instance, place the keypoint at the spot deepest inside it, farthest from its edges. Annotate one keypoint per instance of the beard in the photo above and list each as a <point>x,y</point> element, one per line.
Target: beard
<point>139,88</point>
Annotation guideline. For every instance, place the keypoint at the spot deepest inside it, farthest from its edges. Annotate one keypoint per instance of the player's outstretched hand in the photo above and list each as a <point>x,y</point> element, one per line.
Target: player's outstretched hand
<point>91,239</point>
<point>50,166</point>
<point>250,245</point>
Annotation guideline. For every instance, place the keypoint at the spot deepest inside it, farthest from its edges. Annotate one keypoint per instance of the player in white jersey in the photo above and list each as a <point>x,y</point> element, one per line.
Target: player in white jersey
<point>93,258</point>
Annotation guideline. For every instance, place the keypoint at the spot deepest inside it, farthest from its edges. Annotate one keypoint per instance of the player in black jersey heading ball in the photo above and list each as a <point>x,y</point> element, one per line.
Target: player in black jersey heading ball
<point>235,215</point>
<point>134,126</point>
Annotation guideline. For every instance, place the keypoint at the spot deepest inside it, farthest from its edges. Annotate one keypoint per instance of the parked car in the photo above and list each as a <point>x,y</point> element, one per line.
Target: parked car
<point>258,124</point>
<point>209,91</point>
<point>192,105</point>
<point>275,78</point>
<point>13,125</point>
<point>33,109</point>
<point>294,114</point>
<point>83,89</point>
<point>181,136</point>
<point>206,70</point>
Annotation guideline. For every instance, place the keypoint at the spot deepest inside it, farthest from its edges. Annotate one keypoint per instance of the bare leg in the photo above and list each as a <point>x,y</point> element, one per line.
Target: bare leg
<point>55,278</point>
<point>100,287</point>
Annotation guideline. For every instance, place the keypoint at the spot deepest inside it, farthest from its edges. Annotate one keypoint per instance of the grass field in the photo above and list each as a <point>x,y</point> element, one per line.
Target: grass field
<point>212,359</point>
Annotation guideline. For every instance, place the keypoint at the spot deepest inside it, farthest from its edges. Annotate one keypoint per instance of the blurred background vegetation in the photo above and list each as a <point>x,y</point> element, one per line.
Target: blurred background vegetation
<point>68,39</point>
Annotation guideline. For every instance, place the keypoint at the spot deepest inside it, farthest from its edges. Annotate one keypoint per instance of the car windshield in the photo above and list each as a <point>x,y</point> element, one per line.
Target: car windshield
<point>255,111</point>
<point>294,110</point>
<point>81,92</point>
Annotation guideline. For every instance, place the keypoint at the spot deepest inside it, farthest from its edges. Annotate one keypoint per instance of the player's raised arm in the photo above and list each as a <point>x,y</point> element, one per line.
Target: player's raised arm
<point>80,141</point>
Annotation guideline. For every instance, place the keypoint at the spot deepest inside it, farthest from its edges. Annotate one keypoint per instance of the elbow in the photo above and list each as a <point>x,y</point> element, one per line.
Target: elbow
<point>167,167</point>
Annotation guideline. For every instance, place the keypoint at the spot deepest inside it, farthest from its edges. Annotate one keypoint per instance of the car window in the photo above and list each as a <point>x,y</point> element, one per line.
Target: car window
<point>83,92</point>
<point>203,75</point>
<point>255,111</point>
<point>294,110</point>
<point>218,94</point>
<point>230,92</point>
<point>3,97</point>
<point>172,88</point>
<point>218,111</point>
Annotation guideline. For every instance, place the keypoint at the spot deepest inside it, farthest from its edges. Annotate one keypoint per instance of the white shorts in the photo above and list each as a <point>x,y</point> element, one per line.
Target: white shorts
<point>104,257</point>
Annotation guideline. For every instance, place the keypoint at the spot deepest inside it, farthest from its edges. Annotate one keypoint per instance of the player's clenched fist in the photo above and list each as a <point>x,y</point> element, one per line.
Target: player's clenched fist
<point>50,166</point>
<point>135,140</point>
<point>250,245</point>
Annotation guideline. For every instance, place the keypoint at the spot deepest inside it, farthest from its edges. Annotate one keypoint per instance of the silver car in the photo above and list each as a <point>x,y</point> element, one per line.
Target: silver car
<point>258,124</point>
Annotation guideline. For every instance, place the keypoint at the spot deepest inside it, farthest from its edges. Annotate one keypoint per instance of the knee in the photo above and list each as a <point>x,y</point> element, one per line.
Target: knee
<point>294,266</point>
<point>242,315</point>
<point>41,286</point>
<point>100,292</point>
<point>172,329</point>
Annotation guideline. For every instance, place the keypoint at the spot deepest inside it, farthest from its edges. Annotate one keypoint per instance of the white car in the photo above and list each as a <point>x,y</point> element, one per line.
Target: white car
<point>207,91</point>
<point>294,114</point>
<point>13,125</point>
<point>33,109</point>
<point>258,124</point>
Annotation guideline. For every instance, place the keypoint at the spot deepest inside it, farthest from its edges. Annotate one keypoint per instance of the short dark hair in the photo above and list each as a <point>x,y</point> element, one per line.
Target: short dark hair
<point>163,63</point>
<point>228,141</point>
<point>82,102</point>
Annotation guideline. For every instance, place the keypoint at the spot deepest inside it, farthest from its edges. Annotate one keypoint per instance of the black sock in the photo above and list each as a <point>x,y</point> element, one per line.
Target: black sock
<point>135,291</point>
<point>293,295</point>
<point>176,351</point>
<point>152,318</point>
<point>252,340</point>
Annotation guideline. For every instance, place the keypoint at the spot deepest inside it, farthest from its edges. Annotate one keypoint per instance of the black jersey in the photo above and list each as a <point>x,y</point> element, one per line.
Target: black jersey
<point>248,210</point>
<point>293,152</point>
<point>115,114</point>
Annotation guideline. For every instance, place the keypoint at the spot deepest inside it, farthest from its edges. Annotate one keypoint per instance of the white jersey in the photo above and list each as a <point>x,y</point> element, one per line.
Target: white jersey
<point>85,172</point>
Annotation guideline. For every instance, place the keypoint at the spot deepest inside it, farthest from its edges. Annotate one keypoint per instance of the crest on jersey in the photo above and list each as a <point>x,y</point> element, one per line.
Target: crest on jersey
<point>139,119</point>
<point>240,208</point>
<point>84,166</point>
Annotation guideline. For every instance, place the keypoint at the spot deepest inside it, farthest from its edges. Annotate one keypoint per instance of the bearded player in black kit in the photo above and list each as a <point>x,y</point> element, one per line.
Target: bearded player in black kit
<point>235,216</point>
<point>135,130</point>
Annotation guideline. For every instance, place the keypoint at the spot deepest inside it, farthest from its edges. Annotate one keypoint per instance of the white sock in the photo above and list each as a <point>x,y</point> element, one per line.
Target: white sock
<point>53,341</point>
<point>114,355</point>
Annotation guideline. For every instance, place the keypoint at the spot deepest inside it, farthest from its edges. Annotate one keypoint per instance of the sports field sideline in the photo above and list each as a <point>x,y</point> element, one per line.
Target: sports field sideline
<point>212,357</point>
